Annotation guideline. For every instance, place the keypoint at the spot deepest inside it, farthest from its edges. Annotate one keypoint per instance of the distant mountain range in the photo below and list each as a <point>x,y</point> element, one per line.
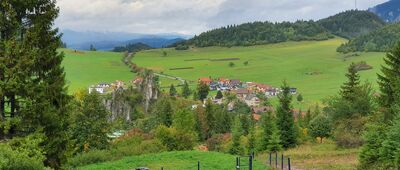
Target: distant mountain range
<point>388,11</point>
<point>109,40</point>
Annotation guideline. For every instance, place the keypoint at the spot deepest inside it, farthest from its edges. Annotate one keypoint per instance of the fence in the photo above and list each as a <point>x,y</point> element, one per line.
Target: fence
<point>246,162</point>
<point>279,161</point>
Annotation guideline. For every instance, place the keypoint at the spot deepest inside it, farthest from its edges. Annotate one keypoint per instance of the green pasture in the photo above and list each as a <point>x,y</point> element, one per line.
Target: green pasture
<point>314,67</point>
<point>184,160</point>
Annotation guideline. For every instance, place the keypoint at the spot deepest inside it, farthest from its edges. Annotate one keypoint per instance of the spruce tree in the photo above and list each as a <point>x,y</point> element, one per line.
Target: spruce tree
<point>274,144</point>
<point>349,88</point>
<point>172,90</point>
<point>219,95</point>
<point>267,124</point>
<point>32,79</point>
<point>163,111</point>
<point>285,119</point>
<point>252,141</point>
<point>210,118</point>
<point>202,91</point>
<point>185,90</point>
<point>235,147</point>
<point>389,82</point>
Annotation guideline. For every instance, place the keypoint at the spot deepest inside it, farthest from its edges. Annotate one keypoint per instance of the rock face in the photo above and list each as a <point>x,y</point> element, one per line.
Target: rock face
<point>148,87</point>
<point>119,107</point>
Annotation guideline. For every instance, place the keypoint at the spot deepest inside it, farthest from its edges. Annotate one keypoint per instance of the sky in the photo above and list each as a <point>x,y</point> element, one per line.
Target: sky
<point>191,17</point>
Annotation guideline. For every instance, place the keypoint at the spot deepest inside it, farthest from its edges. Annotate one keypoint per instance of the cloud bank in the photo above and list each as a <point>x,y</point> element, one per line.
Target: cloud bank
<point>191,16</point>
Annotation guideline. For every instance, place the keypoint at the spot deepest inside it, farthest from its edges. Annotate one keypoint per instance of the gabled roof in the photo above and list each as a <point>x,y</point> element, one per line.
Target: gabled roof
<point>242,91</point>
<point>205,80</point>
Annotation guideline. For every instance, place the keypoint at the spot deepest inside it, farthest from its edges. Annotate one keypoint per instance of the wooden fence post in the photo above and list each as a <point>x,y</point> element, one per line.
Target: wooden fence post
<point>276,160</point>
<point>288,159</point>
<point>270,159</point>
<point>282,160</point>
<point>251,162</point>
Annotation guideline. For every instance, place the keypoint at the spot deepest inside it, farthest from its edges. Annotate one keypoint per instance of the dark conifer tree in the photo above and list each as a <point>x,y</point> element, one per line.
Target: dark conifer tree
<point>285,121</point>
<point>389,82</point>
<point>31,76</point>
<point>172,90</point>
<point>186,90</point>
<point>349,88</point>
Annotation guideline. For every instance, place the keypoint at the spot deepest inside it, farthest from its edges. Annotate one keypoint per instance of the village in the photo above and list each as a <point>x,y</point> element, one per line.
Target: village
<point>251,93</point>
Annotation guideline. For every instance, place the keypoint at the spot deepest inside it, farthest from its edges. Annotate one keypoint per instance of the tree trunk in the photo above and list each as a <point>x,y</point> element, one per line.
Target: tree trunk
<point>321,139</point>
<point>2,109</point>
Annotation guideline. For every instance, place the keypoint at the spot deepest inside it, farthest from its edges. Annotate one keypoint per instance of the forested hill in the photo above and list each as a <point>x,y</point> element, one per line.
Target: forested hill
<point>347,24</point>
<point>388,11</point>
<point>380,40</point>
<point>352,23</point>
<point>132,47</point>
<point>261,33</point>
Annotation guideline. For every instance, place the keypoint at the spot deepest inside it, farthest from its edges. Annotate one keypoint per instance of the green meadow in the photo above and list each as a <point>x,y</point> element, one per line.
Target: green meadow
<point>314,67</point>
<point>86,68</point>
<point>184,160</point>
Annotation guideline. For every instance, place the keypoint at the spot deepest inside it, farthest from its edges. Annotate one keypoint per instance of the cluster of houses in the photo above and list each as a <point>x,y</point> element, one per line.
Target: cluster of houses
<point>248,92</point>
<point>104,87</point>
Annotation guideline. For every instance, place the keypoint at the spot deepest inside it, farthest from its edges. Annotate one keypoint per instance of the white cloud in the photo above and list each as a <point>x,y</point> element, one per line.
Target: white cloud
<point>190,16</point>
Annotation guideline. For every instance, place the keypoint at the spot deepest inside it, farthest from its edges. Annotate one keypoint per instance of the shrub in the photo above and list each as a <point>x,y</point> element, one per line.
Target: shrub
<point>22,153</point>
<point>91,157</point>
<point>175,139</point>
<point>348,132</point>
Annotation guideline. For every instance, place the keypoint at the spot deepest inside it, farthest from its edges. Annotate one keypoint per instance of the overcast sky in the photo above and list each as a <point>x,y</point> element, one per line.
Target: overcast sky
<point>190,16</point>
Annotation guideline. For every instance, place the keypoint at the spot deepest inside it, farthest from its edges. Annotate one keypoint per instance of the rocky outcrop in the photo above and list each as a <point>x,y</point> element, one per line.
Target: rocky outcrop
<point>148,87</point>
<point>119,107</point>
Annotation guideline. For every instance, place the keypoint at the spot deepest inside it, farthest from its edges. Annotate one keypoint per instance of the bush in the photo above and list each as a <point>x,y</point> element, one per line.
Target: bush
<point>91,157</point>
<point>348,132</point>
<point>175,139</point>
<point>218,142</point>
<point>23,153</point>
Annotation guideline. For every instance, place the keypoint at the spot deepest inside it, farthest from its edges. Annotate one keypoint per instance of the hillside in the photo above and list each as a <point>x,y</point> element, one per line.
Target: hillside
<point>380,40</point>
<point>85,68</point>
<point>314,67</point>
<point>132,47</point>
<point>352,23</point>
<point>388,11</point>
<point>175,160</point>
<point>261,33</point>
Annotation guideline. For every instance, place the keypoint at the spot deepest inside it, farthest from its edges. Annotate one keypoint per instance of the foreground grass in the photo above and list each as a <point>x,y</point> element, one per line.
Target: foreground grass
<point>321,157</point>
<point>185,160</point>
<point>314,67</point>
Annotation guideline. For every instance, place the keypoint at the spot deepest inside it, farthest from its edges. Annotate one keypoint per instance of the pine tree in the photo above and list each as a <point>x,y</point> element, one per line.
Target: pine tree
<point>172,90</point>
<point>210,118</point>
<point>32,79</point>
<point>267,125</point>
<point>285,119</point>
<point>274,144</point>
<point>223,121</point>
<point>236,148</point>
<point>185,90</point>
<point>164,112</point>
<point>219,95</point>
<point>252,141</point>
<point>307,118</point>
<point>349,89</point>
<point>389,82</point>
<point>202,91</point>
<point>299,98</point>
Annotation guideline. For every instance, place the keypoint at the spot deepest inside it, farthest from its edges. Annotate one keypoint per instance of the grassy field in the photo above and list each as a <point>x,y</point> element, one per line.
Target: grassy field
<point>85,68</point>
<point>185,160</point>
<point>315,68</point>
<point>320,157</point>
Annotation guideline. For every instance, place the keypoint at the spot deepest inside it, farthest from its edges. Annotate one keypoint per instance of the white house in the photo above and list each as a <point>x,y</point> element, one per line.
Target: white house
<point>98,89</point>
